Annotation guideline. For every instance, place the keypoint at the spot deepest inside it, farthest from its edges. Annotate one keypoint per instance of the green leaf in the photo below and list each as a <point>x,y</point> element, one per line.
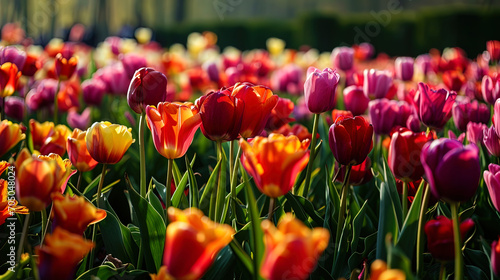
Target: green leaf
<point>308,207</point>
<point>257,236</point>
<point>297,208</point>
<point>207,191</point>
<point>357,224</point>
<point>391,182</point>
<point>118,239</point>
<point>387,223</point>
<point>397,259</point>
<point>242,255</point>
<point>162,190</point>
<point>406,240</point>
<point>155,201</point>
<point>222,266</point>
<point>109,271</point>
<point>179,191</point>
<point>194,199</point>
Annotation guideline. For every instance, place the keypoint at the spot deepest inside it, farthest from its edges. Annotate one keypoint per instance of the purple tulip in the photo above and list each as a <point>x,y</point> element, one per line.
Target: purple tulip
<point>386,114</point>
<point>148,87</point>
<point>376,83</point>
<point>42,95</point>
<point>212,71</point>
<point>423,63</point>
<point>491,141</point>
<point>464,111</point>
<point>14,107</point>
<point>13,55</point>
<point>320,88</point>
<point>404,68</point>
<point>355,100</point>
<point>343,58</point>
<point>452,170</point>
<point>93,91</point>
<point>452,135</point>
<point>496,116</point>
<point>434,106</point>
<point>114,77</point>
<point>413,123</point>
<point>132,62</point>
<point>475,132</point>
<point>287,79</point>
<point>490,89</point>
<point>80,121</point>
<point>492,180</point>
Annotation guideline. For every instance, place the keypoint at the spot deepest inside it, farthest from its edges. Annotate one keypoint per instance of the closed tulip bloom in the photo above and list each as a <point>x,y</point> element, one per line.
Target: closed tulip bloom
<point>423,62</point>
<point>404,68</point>
<point>452,170</point>
<point>434,107</point>
<point>466,111</point>
<point>475,133</point>
<point>355,100</point>
<point>404,154</point>
<point>350,140</point>
<point>15,108</point>
<point>74,213</point>
<point>413,123</point>
<point>31,65</point>
<point>343,58</point>
<point>192,243</point>
<point>292,249</point>
<point>387,114</point>
<point>173,126</point>
<point>93,91</point>
<point>147,87</point>
<point>280,115</point>
<point>454,79</point>
<point>107,143</point>
<point>65,67</point>
<point>11,134</point>
<point>490,88</point>
<point>9,76</point>
<point>491,141</point>
<point>492,180</point>
<point>221,115</point>
<point>496,116</point>
<point>13,55</point>
<point>60,254</point>
<point>78,153</point>
<point>493,48</point>
<point>440,237</point>
<point>320,89</point>
<point>56,141</point>
<point>76,120</point>
<point>495,257</point>
<point>274,162</point>
<point>360,174</point>
<point>259,102</point>
<point>376,83</point>
<point>40,132</point>
<point>38,177</point>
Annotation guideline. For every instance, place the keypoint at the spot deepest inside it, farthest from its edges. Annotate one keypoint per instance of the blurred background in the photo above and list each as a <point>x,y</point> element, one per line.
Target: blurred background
<point>397,27</point>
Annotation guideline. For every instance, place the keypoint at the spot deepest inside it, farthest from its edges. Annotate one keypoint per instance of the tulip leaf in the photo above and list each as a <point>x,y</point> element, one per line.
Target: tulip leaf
<point>479,259</point>
<point>257,236</point>
<point>118,239</point>
<point>155,202</point>
<point>176,173</point>
<point>397,259</point>
<point>162,190</point>
<point>194,199</point>
<point>309,209</point>
<point>223,265</point>
<point>221,189</point>
<point>387,223</point>
<point>179,191</point>
<point>91,186</point>
<point>475,273</point>
<point>357,224</point>
<point>109,271</point>
<point>339,267</point>
<point>152,229</point>
<point>297,208</point>
<point>207,191</point>
<point>394,195</point>
<point>242,255</point>
<point>334,198</point>
<point>406,240</point>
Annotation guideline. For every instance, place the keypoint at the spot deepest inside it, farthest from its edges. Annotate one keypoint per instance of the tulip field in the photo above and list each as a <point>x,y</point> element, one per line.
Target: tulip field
<point>130,160</point>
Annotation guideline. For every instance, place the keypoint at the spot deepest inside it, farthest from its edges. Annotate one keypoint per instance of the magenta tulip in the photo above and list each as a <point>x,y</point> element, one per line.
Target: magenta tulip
<point>355,100</point>
<point>491,141</point>
<point>490,87</point>
<point>343,58</point>
<point>404,68</point>
<point>492,180</point>
<point>320,89</point>
<point>464,112</point>
<point>475,133</point>
<point>376,83</point>
<point>434,106</point>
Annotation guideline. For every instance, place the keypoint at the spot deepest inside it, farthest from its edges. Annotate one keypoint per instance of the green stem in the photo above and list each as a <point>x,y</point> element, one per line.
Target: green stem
<point>221,189</point>
<point>420,232</point>
<point>79,180</point>
<point>311,157</point>
<point>272,201</point>
<point>231,159</point>
<point>234,179</point>
<point>56,106</point>
<point>94,226</point>
<point>23,237</point>
<point>142,126</point>
<point>404,200</point>
<point>45,223</point>
<point>458,242</point>
<point>168,201</point>
<point>343,205</point>
<point>442,271</point>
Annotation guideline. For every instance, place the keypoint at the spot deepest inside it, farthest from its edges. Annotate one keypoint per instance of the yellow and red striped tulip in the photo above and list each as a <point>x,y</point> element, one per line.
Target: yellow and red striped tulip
<point>8,206</point>
<point>11,134</point>
<point>74,213</point>
<point>107,143</point>
<point>78,153</point>
<point>56,141</point>
<point>40,132</point>
<point>9,75</point>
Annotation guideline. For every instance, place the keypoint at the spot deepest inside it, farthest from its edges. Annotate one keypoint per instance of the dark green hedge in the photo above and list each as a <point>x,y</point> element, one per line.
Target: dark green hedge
<point>396,33</point>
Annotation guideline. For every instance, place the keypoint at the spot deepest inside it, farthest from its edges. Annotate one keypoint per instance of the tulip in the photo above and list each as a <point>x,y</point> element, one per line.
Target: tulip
<point>14,107</point>
<point>493,48</point>
<point>491,141</point>
<point>464,112</point>
<point>496,116</point>
<point>3,166</point>
<point>78,153</point>
<point>343,58</point>
<point>173,126</point>
<point>423,63</point>
<point>452,170</point>
<point>275,46</point>
<point>337,113</point>
<point>56,141</point>
<point>80,121</point>
<point>364,51</point>
<point>495,257</point>
<point>292,249</point>
<point>454,79</point>
<point>440,236</point>
<point>162,274</point>
<point>11,134</point>
<point>350,140</point>
<point>74,213</point>
<point>107,143</point>
<point>280,115</point>
<point>360,174</point>
<point>65,67</point>
<point>274,162</point>
<point>492,180</point>
<point>43,95</point>
<point>205,239</point>
<point>8,207</point>
<point>413,123</point>
<point>320,89</point>
<point>404,154</point>
<point>93,91</point>
<point>355,100</point>
<point>386,114</point>
<point>68,96</point>
<point>38,177</point>
<point>60,255</point>
<point>40,132</point>
<point>288,79</point>
<point>297,129</point>
<point>9,76</point>
<point>132,63</point>
<point>404,68</point>
<point>221,115</point>
<point>147,87</point>
<point>13,55</point>
<point>434,107</point>
<point>490,88</point>
<point>376,83</point>
<point>31,65</point>
<point>475,133</point>
<point>380,271</point>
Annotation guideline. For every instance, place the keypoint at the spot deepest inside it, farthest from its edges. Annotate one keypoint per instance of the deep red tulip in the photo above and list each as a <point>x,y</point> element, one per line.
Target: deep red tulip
<point>434,107</point>
<point>493,48</point>
<point>440,237</point>
<point>31,65</point>
<point>147,87</point>
<point>350,140</point>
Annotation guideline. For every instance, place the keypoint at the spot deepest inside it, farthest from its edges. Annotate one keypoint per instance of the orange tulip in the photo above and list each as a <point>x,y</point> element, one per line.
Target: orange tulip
<point>74,213</point>
<point>38,177</point>
<point>78,153</point>
<point>40,132</point>
<point>292,249</point>
<point>259,102</point>
<point>107,143</point>
<point>162,274</point>
<point>3,166</point>
<point>192,243</point>
<point>61,253</point>
<point>11,134</point>
<point>379,271</point>
<point>65,68</point>
<point>8,204</point>
<point>274,162</point>
<point>56,141</point>
<point>173,126</point>
<point>9,75</point>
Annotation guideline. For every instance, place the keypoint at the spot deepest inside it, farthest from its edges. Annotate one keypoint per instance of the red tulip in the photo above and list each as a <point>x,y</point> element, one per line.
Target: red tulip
<point>440,237</point>
<point>454,79</point>
<point>493,48</point>
<point>65,67</point>
<point>495,257</point>
<point>360,174</point>
<point>280,115</point>
<point>147,87</point>
<point>350,140</point>
<point>9,75</point>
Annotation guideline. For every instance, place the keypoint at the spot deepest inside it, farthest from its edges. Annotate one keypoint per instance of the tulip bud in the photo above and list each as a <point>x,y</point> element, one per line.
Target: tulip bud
<point>343,58</point>
<point>475,133</point>
<point>107,143</point>
<point>404,68</point>
<point>355,100</point>
<point>493,48</point>
<point>440,241</point>
<point>11,134</point>
<point>376,83</point>
<point>320,89</point>
<point>434,107</point>
<point>147,87</point>
<point>350,140</point>
<point>65,67</point>
<point>491,141</point>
